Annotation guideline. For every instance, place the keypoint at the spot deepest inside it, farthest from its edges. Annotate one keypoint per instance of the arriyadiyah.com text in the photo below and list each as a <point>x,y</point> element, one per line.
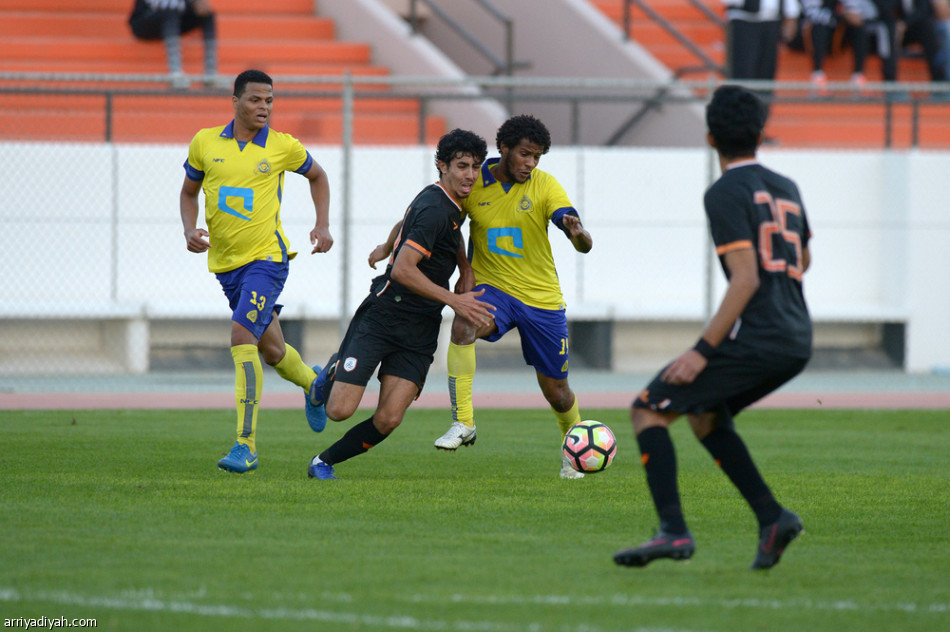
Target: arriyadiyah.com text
<point>47,623</point>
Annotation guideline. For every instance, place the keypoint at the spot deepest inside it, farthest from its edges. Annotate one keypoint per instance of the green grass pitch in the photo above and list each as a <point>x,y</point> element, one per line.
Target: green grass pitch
<point>123,516</point>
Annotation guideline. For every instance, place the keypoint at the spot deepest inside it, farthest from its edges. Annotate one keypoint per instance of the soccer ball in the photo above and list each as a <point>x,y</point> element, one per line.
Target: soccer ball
<point>590,446</point>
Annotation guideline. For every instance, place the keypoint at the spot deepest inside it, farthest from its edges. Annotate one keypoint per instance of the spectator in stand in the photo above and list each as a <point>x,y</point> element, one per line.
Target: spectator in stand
<point>819,22</point>
<point>755,31</point>
<point>918,24</point>
<point>167,20</point>
<point>872,21</point>
<point>942,13</point>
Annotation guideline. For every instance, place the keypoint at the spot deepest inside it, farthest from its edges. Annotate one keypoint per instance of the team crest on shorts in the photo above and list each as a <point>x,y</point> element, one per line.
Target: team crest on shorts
<point>252,316</point>
<point>525,206</point>
<point>263,167</point>
<point>349,364</point>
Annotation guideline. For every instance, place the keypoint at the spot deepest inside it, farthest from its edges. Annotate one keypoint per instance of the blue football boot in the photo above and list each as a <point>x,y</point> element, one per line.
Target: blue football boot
<point>319,469</point>
<point>316,414</point>
<point>239,460</point>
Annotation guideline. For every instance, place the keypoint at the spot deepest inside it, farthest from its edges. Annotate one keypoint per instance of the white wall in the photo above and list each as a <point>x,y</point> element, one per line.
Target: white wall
<point>880,246</point>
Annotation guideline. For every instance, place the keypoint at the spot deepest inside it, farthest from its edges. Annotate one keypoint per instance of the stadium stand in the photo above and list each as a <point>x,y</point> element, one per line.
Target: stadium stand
<point>283,38</point>
<point>802,122</point>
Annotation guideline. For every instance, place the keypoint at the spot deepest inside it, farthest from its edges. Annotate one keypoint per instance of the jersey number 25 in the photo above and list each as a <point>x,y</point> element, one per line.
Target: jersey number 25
<point>778,227</point>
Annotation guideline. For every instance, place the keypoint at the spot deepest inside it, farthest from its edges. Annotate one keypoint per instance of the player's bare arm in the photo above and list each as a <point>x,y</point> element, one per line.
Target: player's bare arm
<point>466,280</point>
<point>578,235</point>
<point>406,271</point>
<point>194,237</point>
<point>383,250</point>
<point>743,269</point>
<point>320,236</point>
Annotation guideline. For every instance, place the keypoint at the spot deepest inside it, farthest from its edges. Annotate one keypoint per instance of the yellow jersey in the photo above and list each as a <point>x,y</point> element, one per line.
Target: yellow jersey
<point>243,184</point>
<point>508,235</point>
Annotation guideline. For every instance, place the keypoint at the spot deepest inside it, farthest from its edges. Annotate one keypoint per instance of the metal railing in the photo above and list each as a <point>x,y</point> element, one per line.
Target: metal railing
<point>117,178</point>
<point>708,64</point>
<point>896,103</point>
<point>501,66</point>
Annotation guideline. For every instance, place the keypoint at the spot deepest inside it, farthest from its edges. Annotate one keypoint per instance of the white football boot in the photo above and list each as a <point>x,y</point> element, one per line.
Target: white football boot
<point>457,435</point>
<point>567,470</point>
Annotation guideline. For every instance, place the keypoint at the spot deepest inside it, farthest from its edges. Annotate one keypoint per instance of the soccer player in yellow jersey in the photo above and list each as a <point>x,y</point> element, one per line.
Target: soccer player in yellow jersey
<point>240,166</point>
<point>509,211</point>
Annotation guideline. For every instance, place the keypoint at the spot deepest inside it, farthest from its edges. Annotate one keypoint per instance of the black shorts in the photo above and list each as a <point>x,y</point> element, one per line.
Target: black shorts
<point>400,343</point>
<point>733,379</point>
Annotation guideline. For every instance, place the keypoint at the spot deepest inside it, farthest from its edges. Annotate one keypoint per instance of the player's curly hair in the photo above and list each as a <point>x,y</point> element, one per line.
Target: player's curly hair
<point>460,142</point>
<point>735,117</point>
<point>250,76</point>
<point>520,127</point>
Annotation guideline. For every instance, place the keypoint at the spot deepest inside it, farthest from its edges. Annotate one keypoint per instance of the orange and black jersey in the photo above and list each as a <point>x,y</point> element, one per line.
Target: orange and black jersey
<point>433,227</point>
<point>753,207</point>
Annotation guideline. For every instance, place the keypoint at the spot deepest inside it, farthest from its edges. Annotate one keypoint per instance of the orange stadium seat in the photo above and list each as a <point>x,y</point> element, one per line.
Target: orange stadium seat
<point>284,39</point>
<point>819,124</point>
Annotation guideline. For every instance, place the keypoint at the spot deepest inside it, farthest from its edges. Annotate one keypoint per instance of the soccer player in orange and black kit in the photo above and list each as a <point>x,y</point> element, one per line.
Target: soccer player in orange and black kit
<point>396,328</point>
<point>759,338</point>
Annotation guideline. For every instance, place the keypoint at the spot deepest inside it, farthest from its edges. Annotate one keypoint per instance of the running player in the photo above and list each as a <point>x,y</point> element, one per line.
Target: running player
<point>509,211</point>
<point>240,166</point>
<point>759,338</point>
<point>397,326</point>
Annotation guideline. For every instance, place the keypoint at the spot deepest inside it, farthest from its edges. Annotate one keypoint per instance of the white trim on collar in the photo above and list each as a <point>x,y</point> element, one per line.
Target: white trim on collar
<point>743,163</point>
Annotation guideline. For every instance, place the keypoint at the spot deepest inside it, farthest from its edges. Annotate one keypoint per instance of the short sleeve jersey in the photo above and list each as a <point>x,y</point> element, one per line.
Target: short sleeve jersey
<point>508,235</point>
<point>753,207</point>
<point>431,226</point>
<point>243,184</point>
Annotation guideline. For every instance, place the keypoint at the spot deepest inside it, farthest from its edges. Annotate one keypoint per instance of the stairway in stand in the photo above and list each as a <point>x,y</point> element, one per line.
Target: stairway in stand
<point>280,37</point>
<point>849,121</point>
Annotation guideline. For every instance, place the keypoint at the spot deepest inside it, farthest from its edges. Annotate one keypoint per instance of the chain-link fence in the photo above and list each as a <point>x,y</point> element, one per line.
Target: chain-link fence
<point>99,280</point>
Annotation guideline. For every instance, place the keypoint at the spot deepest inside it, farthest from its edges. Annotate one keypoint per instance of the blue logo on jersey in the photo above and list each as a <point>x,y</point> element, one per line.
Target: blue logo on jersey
<point>246,195</point>
<point>484,203</point>
<point>495,235</point>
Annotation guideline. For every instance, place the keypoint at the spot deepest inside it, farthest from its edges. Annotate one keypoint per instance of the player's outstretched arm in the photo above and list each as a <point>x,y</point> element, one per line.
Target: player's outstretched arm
<point>383,250</point>
<point>743,269</point>
<point>466,280</point>
<point>406,272</point>
<point>471,309</point>
<point>576,232</point>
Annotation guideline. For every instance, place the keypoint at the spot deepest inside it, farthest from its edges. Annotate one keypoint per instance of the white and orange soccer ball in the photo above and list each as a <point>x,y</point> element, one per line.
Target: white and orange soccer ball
<point>590,446</point>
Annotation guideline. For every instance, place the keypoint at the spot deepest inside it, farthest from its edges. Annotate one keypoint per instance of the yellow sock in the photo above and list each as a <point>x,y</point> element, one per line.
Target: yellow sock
<point>568,419</point>
<point>461,366</point>
<point>247,392</point>
<point>293,369</point>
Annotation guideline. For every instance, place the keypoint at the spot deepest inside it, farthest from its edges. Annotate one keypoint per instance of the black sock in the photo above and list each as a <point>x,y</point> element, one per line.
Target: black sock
<point>734,459</point>
<point>659,461</point>
<point>356,441</point>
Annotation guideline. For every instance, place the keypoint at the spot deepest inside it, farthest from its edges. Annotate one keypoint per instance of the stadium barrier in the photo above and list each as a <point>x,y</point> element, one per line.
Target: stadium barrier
<point>100,281</point>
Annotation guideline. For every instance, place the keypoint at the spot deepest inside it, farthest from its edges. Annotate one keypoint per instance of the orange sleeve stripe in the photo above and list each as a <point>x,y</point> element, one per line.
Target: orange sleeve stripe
<point>418,248</point>
<point>745,244</point>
